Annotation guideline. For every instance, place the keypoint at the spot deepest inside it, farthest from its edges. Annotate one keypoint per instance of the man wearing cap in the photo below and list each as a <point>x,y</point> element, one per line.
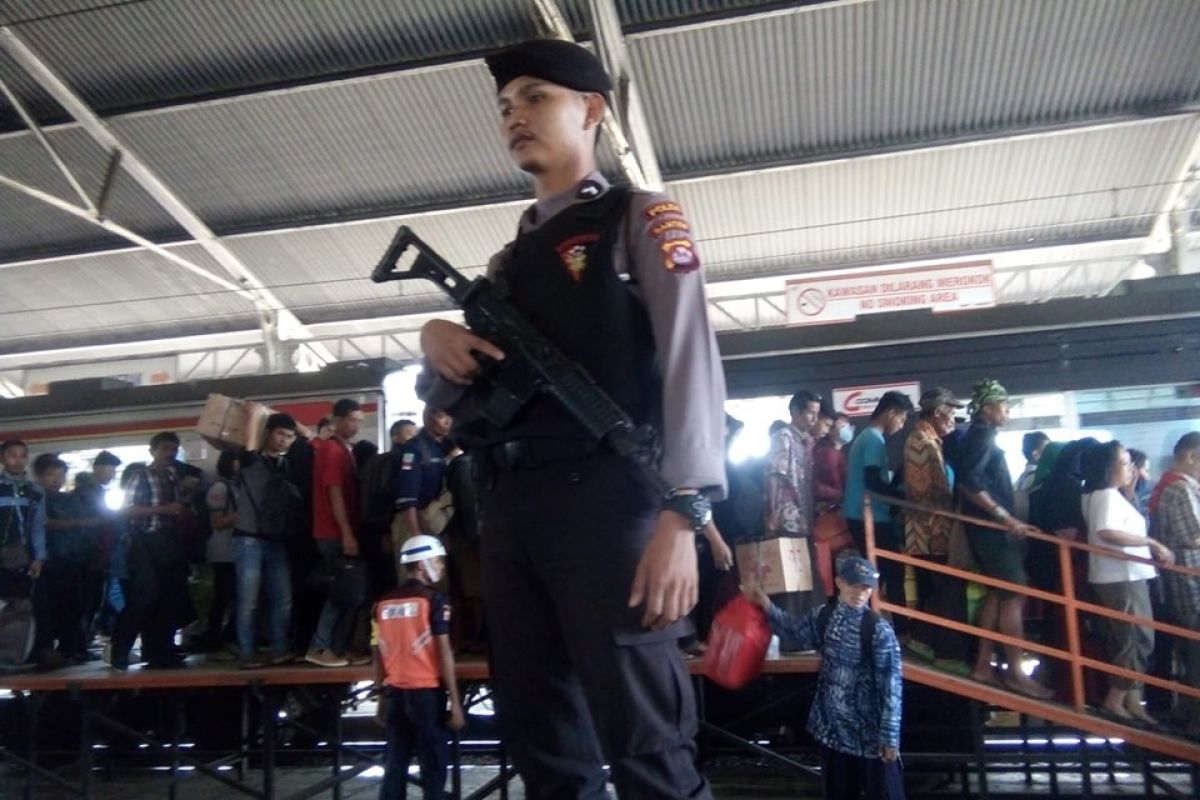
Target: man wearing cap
<point>856,710</point>
<point>985,485</point>
<point>587,570</point>
<point>929,481</point>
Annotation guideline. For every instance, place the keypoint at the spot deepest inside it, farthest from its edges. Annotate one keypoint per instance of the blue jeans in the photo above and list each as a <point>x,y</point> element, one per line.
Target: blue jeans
<point>262,564</point>
<point>415,726</point>
<point>336,621</point>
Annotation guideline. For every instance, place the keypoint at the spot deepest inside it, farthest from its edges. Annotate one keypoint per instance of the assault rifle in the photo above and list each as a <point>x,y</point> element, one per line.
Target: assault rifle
<point>532,363</point>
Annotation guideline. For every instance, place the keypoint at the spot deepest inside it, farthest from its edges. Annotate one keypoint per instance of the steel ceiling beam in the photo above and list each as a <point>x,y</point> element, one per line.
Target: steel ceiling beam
<point>277,318</point>
<point>625,129</point>
<point>1178,194</point>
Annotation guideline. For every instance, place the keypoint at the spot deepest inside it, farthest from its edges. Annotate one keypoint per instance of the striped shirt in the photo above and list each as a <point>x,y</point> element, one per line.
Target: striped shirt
<point>1176,524</point>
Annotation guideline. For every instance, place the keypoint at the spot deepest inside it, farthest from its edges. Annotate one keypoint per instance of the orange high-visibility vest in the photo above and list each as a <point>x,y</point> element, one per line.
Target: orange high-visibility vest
<point>406,622</point>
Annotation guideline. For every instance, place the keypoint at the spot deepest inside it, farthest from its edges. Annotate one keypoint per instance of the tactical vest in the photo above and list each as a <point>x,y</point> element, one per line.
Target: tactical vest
<point>562,277</point>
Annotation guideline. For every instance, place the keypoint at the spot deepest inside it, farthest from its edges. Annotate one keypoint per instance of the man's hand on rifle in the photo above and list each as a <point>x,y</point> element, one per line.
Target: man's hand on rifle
<point>450,349</point>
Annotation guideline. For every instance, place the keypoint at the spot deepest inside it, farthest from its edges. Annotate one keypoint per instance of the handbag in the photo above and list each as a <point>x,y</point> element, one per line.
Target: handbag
<point>737,644</point>
<point>349,588</point>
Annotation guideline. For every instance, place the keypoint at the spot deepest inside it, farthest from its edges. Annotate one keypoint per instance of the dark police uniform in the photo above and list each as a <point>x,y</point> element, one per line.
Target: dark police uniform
<point>613,277</point>
<point>418,472</point>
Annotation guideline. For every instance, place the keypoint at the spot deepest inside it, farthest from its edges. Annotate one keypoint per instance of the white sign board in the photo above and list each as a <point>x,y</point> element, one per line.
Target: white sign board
<point>941,287</point>
<point>860,401</point>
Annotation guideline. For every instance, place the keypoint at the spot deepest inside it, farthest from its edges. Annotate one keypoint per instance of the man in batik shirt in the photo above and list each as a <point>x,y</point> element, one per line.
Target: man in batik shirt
<point>789,485</point>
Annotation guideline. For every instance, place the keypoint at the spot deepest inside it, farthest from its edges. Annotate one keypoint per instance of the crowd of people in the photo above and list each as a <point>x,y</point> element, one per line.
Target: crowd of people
<point>814,479</point>
<point>277,557</point>
<point>280,554</point>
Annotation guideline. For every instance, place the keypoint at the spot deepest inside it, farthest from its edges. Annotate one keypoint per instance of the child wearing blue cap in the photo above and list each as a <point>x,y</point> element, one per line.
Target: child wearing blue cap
<point>856,712</point>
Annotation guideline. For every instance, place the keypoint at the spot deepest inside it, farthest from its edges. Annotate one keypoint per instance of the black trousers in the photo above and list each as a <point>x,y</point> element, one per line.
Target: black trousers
<point>848,777</point>
<point>58,608</point>
<point>224,603</point>
<point>415,726</point>
<point>156,598</point>
<point>578,682</point>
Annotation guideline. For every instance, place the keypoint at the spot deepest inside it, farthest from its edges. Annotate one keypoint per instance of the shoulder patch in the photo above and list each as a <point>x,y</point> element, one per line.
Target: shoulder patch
<point>680,256</point>
<point>662,208</point>
<point>669,226</point>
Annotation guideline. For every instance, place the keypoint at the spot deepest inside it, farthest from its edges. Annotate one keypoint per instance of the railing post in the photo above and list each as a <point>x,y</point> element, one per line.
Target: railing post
<point>869,527</point>
<point>1071,613</point>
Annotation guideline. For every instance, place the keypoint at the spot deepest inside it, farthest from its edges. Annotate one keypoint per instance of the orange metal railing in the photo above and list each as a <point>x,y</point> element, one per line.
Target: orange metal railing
<point>1071,604</point>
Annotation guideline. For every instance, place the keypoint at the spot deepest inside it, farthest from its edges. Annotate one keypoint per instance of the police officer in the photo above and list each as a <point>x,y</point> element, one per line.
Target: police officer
<point>588,572</point>
<point>418,473</point>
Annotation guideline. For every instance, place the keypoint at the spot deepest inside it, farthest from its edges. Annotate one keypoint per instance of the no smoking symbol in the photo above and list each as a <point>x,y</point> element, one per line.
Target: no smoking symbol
<point>810,302</point>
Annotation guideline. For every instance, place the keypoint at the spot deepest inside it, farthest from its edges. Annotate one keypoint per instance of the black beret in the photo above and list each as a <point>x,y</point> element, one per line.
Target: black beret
<point>554,60</point>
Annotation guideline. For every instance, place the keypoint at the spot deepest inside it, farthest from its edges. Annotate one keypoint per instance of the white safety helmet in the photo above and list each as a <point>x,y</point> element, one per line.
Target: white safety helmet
<point>420,548</point>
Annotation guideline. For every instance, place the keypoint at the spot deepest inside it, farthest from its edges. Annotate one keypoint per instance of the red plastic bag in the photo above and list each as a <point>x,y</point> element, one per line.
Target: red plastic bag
<point>737,644</point>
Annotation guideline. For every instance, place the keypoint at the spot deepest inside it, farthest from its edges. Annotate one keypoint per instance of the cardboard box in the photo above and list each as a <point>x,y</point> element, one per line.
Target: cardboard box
<point>228,423</point>
<point>780,565</point>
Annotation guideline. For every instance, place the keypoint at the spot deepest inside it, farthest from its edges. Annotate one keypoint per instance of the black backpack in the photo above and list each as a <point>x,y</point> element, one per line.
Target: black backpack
<point>378,502</point>
<point>278,515</point>
<point>866,634</point>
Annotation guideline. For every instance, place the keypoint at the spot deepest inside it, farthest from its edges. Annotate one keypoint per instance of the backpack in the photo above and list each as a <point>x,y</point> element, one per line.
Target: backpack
<point>866,634</point>
<point>278,515</point>
<point>378,503</point>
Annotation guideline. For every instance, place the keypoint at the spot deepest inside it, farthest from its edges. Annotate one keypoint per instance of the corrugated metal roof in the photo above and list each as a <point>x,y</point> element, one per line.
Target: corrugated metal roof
<point>150,52</point>
<point>395,142</point>
<point>829,79</point>
<point>1103,183</point>
<point>112,297</point>
<point>779,87</point>
<point>323,273</point>
<point>144,53</point>
<point>33,228</point>
<point>1023,192</point>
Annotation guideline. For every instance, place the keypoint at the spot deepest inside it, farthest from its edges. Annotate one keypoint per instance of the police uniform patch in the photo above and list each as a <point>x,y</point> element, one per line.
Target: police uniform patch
<point>407,460</point>
<point>659,209</point>
<point>589,190</point>
<point>668,226</point>
<point>680,256</point>
<point>573,253</point>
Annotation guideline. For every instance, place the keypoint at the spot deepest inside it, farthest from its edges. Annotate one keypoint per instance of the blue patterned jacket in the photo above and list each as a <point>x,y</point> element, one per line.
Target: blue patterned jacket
<point>857,706</point>
<point>22,514</point>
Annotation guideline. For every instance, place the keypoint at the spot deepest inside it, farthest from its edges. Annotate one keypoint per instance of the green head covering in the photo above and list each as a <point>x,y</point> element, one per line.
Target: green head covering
<point>1045,463</point>
<point>987,391</point>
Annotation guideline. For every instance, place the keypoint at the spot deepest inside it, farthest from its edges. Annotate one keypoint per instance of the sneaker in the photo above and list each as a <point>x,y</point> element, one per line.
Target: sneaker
<point>325,658</point>
<point>359,659</point>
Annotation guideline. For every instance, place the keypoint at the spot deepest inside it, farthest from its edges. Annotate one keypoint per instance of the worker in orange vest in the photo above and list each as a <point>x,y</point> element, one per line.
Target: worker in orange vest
<point>414,670</point>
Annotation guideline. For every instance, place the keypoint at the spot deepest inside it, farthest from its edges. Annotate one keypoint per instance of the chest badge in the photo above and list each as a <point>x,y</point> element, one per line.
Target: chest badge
<point>574,253</point>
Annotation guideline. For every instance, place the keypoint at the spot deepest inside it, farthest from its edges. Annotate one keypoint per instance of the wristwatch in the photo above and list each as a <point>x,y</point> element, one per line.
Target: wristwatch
<point>692,504</point>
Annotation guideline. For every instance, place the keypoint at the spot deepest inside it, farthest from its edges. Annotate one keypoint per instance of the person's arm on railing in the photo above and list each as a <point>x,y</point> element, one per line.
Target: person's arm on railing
<point>999,513</point>
<point>1127,539</point>
<point>873,480</point>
